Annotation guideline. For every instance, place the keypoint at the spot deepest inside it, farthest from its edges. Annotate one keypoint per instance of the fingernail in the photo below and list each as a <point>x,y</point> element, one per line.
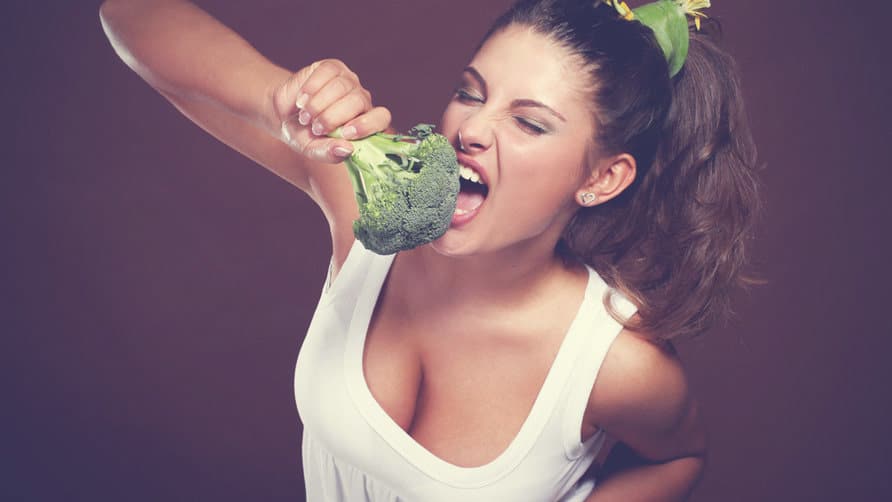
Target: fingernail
<point>317,128</point>
<point>348,132</point>
<point>341,151</point>
<point>302,100</point>
<point>304,117</point>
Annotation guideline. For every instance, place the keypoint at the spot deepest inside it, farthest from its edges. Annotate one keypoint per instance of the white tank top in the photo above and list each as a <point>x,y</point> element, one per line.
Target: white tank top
<point>353,451</point>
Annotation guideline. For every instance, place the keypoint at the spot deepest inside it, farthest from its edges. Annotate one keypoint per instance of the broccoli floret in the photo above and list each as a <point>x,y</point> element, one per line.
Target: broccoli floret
<point>406,188</point>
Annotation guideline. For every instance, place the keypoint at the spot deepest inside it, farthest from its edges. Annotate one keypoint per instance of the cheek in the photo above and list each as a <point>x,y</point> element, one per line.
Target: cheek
<point>451,120</point>
<point>552,170</point>
<point>536,194</point>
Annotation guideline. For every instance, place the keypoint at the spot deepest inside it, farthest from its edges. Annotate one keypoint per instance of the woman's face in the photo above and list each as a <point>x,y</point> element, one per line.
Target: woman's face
<point>521,113</point>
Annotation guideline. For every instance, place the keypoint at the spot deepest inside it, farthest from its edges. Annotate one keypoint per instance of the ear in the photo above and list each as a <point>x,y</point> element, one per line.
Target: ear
<point>608,179</point>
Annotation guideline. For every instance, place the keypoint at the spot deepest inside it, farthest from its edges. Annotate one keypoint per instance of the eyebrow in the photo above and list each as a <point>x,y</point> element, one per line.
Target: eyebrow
<point>526,103</point>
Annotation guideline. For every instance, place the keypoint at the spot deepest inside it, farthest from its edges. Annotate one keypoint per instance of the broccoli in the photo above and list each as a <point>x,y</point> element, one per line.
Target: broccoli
<point>406,188</point>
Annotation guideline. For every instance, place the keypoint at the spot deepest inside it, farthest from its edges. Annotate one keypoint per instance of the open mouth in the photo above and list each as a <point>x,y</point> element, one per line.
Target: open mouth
<point>473,191</point>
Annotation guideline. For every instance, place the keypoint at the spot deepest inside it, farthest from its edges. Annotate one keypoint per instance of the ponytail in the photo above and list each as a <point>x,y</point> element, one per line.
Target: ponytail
<point>676,243</point>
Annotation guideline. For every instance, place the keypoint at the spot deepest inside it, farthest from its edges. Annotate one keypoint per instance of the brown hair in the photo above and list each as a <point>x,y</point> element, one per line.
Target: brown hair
<point>675,241</point>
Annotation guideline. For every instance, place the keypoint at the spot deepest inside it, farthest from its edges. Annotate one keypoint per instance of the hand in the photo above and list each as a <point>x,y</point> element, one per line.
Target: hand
<point>316,101</point>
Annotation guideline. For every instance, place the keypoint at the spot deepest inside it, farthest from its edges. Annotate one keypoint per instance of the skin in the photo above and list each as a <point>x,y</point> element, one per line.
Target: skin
<point>481,312</point>
<point>502,279</point>
<point>534,158</point>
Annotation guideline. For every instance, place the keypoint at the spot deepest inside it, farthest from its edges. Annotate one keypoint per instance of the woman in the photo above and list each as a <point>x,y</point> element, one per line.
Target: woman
<point>503,360</point>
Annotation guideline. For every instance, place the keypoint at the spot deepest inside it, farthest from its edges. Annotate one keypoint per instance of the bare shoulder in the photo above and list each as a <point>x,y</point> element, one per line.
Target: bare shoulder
<point>642,398</point>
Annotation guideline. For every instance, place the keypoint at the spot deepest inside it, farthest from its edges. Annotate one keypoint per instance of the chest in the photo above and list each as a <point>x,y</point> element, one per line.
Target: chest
<point>461,382</point>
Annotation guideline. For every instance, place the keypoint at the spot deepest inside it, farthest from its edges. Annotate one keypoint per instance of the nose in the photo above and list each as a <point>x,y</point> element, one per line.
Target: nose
<point>474,135</point>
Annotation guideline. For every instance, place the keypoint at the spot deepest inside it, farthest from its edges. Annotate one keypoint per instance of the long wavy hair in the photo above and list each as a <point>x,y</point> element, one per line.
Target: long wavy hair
<point>675,241</point>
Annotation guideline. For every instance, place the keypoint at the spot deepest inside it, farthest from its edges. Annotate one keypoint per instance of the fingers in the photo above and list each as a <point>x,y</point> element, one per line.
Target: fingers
<point>330,97</point>
<point>374,120</point>
<point>333,150</point>
<point>337,101</point>
<point>325,149</point>
<point>318,75</point>
<point>329,150</point>
<point>320,98</point>
<point>287,95</point>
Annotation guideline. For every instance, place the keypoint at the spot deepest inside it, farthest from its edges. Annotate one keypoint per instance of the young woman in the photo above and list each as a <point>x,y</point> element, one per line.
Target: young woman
<point>503,360</point>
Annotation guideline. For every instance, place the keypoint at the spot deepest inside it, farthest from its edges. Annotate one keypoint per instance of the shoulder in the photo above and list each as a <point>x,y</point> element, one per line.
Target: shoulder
<point>641,397</point>
<point>639,381</point>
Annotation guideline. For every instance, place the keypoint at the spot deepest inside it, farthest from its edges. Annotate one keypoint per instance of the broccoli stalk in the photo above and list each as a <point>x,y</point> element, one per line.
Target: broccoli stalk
<point>406,188</point>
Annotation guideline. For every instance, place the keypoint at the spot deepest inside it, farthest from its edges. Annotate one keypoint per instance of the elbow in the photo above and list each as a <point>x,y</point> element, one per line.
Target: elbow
<point>110,14</point>
<point>704,449</point>
<point>107,10</point>
<point>110,11</point>
<point>116,17</point>
<point>704,464</point>
<point>698,463</point>
<point>104,12</point>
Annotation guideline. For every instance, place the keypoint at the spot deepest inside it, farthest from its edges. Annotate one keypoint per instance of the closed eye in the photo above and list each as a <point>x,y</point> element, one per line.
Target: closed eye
<point>529,126</point>
<point>466,97</point>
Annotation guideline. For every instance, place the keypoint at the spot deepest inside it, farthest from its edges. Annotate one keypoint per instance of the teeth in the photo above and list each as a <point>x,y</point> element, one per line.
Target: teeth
<point>469,174</point>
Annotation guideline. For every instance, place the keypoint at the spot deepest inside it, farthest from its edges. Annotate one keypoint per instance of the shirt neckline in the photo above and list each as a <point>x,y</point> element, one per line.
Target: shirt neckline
<point>403,443</point>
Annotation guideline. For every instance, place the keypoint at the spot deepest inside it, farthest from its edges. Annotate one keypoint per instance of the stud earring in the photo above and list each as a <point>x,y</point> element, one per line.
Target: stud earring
<point>587,198</point>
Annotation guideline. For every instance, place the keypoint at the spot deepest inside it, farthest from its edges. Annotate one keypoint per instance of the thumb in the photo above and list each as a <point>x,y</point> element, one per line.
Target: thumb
<point>329,150</point>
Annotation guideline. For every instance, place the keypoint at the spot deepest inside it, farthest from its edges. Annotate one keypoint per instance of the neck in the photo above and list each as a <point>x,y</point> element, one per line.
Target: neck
<point>507,276</point>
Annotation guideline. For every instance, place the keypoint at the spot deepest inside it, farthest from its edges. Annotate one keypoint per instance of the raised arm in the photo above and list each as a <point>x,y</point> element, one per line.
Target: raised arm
<point>220,82</point>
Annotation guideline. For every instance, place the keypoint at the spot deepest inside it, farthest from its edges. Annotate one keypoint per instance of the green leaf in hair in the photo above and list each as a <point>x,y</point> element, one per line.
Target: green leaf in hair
<point>668,20</point>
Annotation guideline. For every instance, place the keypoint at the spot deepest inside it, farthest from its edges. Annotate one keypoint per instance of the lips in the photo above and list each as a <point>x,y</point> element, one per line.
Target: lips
<point>473,190</point>
<point>467,161</point>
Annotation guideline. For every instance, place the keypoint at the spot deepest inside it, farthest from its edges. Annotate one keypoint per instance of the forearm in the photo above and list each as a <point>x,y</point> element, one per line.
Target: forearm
<point>665,482</point>
<point>182,51</point>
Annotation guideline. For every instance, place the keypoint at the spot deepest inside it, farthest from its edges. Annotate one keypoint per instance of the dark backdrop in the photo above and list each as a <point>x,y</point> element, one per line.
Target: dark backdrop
<point>156,285</point>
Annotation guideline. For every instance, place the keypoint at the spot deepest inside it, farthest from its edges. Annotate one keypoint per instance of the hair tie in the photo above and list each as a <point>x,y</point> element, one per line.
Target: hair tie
<point>668,20</point>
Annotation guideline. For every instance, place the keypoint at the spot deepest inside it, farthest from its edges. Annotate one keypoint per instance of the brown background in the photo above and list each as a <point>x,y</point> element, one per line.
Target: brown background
<point>156,285</point>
